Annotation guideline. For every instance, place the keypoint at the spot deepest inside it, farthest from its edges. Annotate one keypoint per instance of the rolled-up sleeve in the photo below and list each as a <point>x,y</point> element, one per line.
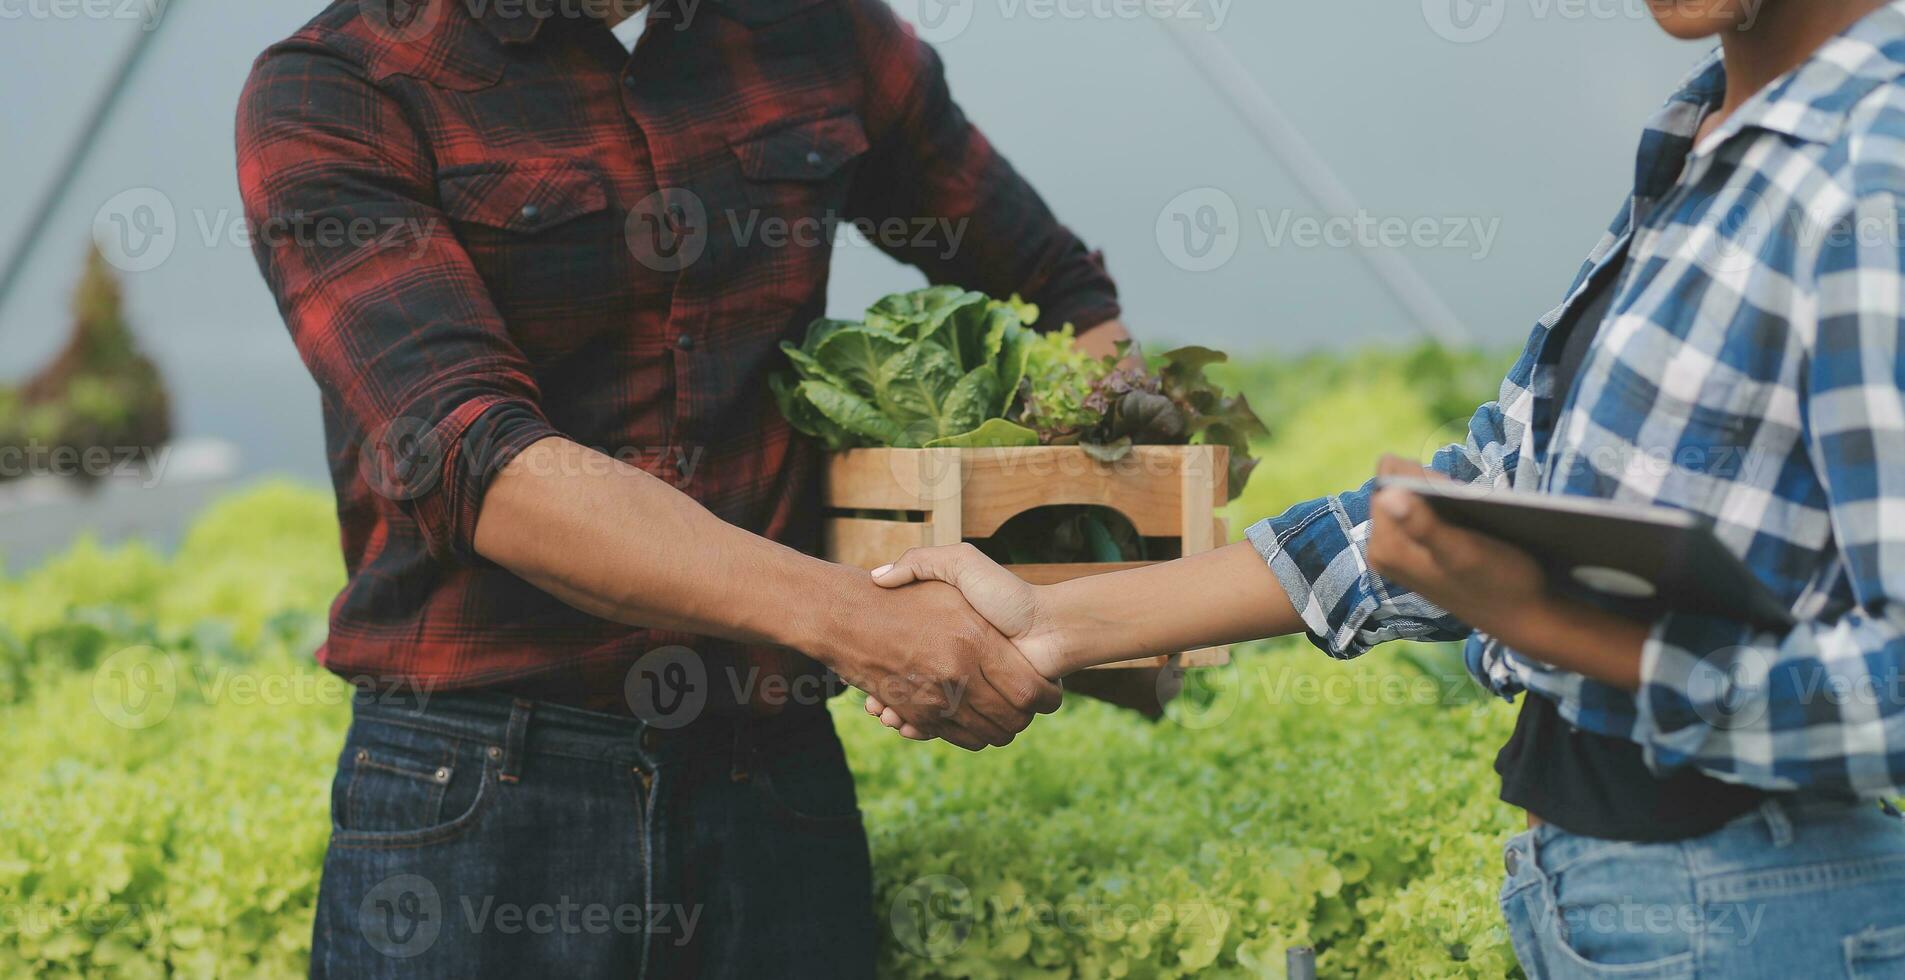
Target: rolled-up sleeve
<point>984,227</point>
<point>1318,549</point>
<point>382,302</point>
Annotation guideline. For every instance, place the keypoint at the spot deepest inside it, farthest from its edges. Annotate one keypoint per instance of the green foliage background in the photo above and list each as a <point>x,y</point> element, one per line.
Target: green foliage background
<point>1287,799</point>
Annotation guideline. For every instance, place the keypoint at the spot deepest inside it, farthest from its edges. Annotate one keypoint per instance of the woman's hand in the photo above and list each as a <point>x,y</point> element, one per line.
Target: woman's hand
<point>1003,599</point>
<point>1486,583</point>
<point>1496,588</point>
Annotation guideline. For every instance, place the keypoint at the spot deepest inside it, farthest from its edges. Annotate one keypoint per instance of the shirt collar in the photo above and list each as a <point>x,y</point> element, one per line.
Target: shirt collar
<point>1812,102</point>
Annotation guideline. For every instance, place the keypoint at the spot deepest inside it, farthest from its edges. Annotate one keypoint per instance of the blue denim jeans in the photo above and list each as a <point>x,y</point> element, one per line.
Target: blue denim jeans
<point>1793,890</point>
<point>479,836</point>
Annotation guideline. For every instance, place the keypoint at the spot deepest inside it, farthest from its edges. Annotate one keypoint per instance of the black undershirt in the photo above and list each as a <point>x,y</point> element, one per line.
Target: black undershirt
<point>1590,784</point>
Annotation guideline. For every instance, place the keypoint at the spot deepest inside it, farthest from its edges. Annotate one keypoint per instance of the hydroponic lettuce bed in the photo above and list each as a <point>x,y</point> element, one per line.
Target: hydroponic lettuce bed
<point>1284,800</point>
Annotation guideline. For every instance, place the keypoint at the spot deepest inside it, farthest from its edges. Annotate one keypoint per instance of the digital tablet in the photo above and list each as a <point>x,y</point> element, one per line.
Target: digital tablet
<point>1638,560</point>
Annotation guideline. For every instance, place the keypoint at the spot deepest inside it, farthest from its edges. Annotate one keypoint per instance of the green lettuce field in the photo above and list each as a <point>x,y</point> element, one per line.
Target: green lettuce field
<point>169,746</point>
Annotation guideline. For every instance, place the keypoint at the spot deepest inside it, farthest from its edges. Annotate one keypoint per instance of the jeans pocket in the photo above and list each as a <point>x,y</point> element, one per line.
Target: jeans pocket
<point>401,786</point>
<point>1614,910</point>
<point>1876,954</point>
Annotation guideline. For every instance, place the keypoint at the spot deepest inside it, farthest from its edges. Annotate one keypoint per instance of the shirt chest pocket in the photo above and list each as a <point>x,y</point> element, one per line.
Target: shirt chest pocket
<point>795,180</point>
<point>545,241</point>
<point>1686,448</point>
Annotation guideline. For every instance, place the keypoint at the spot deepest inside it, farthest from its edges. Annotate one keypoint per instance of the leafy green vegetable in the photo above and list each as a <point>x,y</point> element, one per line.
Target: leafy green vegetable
<point>929,367</point>
<point>1108,407</point>
<point>943,366</point>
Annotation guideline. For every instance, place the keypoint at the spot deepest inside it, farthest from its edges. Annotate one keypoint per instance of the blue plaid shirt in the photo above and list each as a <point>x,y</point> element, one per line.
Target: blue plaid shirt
<point>1750,370</point>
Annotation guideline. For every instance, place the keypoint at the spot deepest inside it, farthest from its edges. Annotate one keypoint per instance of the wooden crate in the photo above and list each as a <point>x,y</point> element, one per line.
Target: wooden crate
<point>950,495</point>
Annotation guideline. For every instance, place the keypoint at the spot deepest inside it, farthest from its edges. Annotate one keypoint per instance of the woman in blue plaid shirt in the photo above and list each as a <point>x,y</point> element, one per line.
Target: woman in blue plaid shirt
<point>1706,799</point>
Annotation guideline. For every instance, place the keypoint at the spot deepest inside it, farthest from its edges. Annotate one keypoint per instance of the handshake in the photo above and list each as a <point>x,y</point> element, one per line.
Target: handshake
<point>984,661</point>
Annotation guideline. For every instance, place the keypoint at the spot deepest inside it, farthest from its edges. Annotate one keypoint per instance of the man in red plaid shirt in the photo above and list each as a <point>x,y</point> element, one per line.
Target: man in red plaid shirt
<point>529,252</point>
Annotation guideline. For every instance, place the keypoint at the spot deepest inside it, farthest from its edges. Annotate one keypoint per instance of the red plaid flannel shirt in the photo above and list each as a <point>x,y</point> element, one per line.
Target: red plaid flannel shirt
<point>486,224</point>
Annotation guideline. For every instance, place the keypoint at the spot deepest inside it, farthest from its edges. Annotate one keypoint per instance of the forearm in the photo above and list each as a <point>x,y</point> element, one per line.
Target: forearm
<point>1574,637</point>
<point>615,542</point>
<point>1222,596</point>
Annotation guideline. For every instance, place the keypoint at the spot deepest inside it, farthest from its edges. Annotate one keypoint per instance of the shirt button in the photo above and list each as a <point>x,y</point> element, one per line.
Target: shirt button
<point>685,342</point>
<point>628,81</point>
<point>813,158</point>
<point>531,212</point>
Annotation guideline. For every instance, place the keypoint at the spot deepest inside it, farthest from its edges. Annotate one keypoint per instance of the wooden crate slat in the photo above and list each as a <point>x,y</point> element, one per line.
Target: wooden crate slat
<point>866,543</point>
<point>876,479</point>
<point>1145,486</point>
<point>1207,657</point>
<point>1198,500</point>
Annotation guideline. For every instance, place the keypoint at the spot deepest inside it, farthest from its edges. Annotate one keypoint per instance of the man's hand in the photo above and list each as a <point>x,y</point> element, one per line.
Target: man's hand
<point>1002,598</point>
<point>941,670</point>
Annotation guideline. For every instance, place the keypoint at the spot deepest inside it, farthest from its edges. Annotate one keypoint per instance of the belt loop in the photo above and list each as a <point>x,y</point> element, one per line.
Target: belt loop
<point>513,740</point>
<point>1779,824</point>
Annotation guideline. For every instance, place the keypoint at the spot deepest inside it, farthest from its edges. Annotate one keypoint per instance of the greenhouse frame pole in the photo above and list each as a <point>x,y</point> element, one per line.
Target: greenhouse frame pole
<point>1214,60</point>
<point>77,151</point>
